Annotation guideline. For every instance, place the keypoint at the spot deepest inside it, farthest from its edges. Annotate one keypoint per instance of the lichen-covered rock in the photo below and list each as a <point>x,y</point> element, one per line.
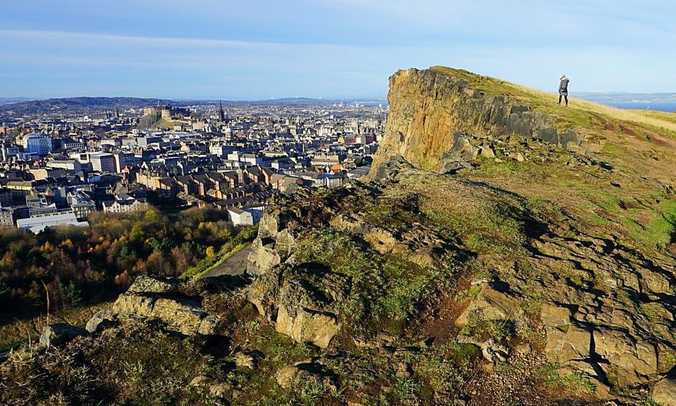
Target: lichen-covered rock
<point>631,361</point>
<point>243,360</point>
<point>146,284</point>
<point>177,313</point>
<point>273,245</point>
<point>305,372</point>
<point>180,316</point>
<point>269,225</point>
<point>381,240</point>
<point>567,344</point>
<point>285,376</point>
<point>304,300</point>
<point>490,304</point>
<point>213,387</point>
<point>664,392</point>
<point>554,316</point>
<point>304,325</point>
<point>55,335</point>
<point>99,320</point>
<point>262,258</point>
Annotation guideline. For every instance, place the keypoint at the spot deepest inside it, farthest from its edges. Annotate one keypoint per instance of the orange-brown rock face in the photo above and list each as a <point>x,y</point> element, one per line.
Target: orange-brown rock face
<point>432,111</point>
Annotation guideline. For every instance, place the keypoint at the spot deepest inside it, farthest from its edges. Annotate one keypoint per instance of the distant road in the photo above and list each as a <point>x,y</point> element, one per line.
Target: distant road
<point>235,265</point>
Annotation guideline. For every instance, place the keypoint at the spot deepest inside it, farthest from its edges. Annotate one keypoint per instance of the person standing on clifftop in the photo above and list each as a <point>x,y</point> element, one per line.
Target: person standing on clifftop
<point>563,88</point>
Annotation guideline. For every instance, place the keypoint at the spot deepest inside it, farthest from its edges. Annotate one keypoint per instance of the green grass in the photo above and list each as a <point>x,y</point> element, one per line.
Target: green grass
<point>486,229</point>
<point>662,229</point>
<point>657,233</point>
<point>445,369</point>
<point>386,289</point>
<point>575,382</point>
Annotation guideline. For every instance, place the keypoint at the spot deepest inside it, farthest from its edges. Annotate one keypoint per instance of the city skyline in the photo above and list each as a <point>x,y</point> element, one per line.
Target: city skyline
<point>325,49</point>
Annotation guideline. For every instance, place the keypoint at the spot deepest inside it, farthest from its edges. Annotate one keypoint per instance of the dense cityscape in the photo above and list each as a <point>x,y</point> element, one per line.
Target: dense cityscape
<point>60,167</point>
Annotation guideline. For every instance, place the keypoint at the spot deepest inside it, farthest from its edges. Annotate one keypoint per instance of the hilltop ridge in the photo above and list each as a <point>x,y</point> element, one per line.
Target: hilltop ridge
<point>433,111</point>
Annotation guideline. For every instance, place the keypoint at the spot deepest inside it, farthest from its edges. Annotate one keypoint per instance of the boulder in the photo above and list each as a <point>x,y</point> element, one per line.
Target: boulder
<point>304,325</point>
<point>664,392</point>
<point>381,240</point>
<point>490,350</point>
<point>286,376</point>
<point>213,387</point>
<point>490,304</point>
<point>463,149</point>
<point>567,344</point>
<point>517,156</point>
<point>303,298</point>
<point>269,225</point>
<point>180,316</point>
<point>487,152</point>
<point>305,307</point>
<point>631,361</point>
<point>273,245</point>
<point>284,243</point>
<point>349,224</point>
<point>262,293</point>
<point>262,259</point>
<point>100,320</point>
<point>554,316</point>
<point>146,284</point>
<point>55,335</point>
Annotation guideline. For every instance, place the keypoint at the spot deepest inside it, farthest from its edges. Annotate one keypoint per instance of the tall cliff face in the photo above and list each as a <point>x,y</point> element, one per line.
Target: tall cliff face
<point>431,111</point>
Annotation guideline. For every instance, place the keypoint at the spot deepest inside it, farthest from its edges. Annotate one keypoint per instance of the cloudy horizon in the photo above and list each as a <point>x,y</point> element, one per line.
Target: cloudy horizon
<point>326,48</point>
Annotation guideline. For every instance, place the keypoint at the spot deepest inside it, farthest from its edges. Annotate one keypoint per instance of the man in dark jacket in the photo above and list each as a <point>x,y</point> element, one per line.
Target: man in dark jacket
<point>563,89</point>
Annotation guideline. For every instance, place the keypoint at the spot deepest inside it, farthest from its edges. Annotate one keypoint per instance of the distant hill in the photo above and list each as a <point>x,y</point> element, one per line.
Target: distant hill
<point>12,100</point>
<point>21,107</point>
<point>77,104</point>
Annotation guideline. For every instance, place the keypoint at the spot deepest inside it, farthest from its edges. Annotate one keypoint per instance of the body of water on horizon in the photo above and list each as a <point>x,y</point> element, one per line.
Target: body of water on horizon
<point>668,107</point>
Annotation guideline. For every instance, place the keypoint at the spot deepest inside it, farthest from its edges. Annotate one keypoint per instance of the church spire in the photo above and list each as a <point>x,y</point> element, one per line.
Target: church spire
<point>221,113</point>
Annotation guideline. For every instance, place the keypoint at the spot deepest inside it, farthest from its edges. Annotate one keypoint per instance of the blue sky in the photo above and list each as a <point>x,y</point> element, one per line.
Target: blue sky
<point>258,49</point>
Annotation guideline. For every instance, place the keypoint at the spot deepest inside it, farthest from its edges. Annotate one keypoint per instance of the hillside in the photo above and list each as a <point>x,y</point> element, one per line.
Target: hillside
<point>20,107</point>
<point>77,104</point>
<point>504,251</point>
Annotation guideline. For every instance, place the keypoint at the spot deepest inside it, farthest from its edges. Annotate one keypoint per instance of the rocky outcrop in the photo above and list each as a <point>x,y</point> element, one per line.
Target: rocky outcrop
<point>491,304</point>
<point>100,320</point>
<point>55,335</point>
<point>301,302</point>
<point>272,246</point>
<point>631,360</point>
<point>598,332</point>
<point>147,300</point>
<point>306,312</point>
<point>440,118</point>
<point>664,392</point>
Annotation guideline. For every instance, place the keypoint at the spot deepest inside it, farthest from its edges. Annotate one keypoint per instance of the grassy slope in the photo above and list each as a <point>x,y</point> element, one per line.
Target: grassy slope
<point>640,144</point>
<point>580,114</point>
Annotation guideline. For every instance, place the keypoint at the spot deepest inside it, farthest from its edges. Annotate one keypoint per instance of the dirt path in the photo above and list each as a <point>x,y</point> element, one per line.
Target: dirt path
<point>235,265</point>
